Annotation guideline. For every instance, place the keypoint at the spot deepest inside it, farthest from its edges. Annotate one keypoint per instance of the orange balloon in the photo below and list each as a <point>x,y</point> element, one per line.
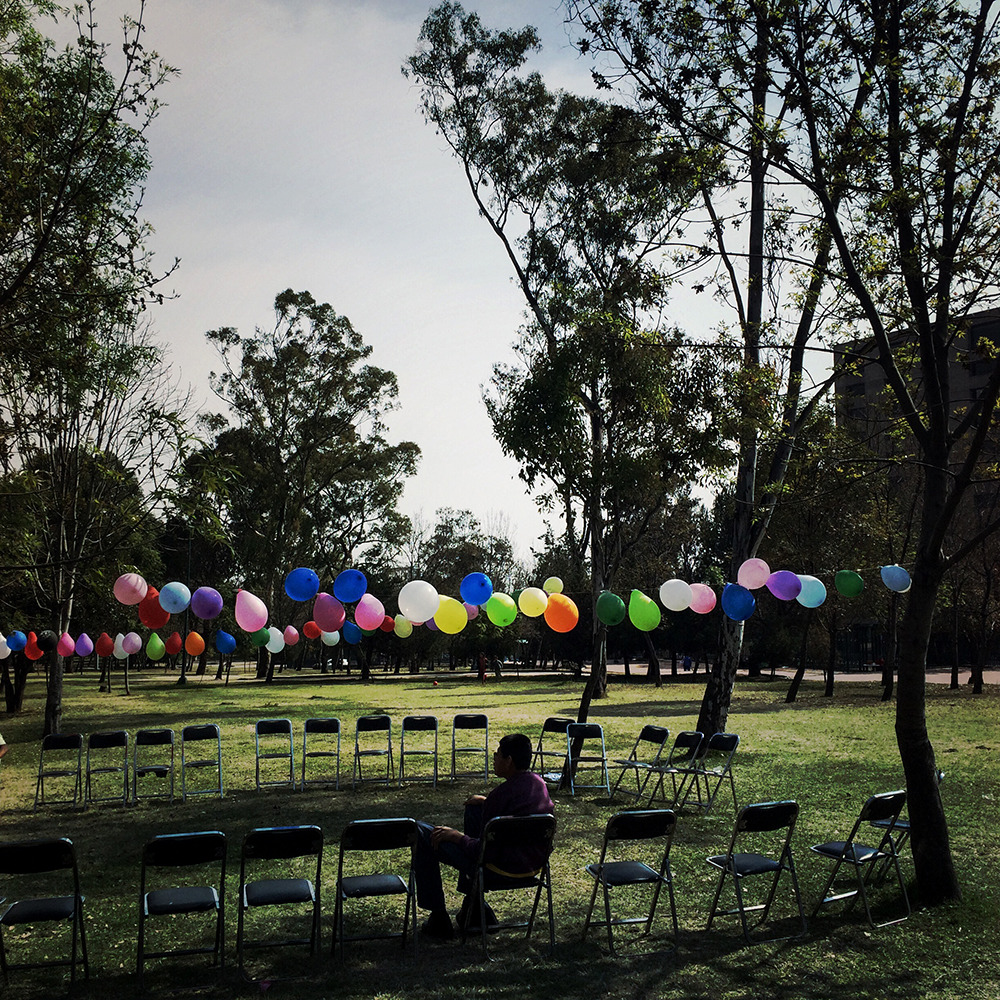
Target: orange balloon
<point>194,644</point>
<point>561,614</point>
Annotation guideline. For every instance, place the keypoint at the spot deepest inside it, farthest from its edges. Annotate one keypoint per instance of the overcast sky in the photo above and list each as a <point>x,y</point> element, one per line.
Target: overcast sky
<point>291,154</point>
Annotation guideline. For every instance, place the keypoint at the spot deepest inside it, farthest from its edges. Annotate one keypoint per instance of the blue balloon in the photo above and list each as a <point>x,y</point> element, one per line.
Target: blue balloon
<point>174,597</point>
<point>476,588</point>
<point>737,602</point>
<point>224,642</point>
<point>302,584</point>
<point>894,577</point>
<point>350,586</point>
<point>16,641</point>
<point>351,633</point>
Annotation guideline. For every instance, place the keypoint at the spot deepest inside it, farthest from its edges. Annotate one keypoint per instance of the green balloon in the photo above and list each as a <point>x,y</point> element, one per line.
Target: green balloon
<point>261,637</point>
<point>501,609</point>
<point>154,647</point>
<point>610,609</point>
<point>848,583</point>
<point>643,611</point>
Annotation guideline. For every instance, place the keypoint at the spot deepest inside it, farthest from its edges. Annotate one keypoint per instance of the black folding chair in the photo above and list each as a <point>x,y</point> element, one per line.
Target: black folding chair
<point>107,754</point>
<point>61,757</point>
<point>680,766</point>
<point>505,837</point>
<point>366,748</point>
<point>461,728</point>
<point>758,826</point>
<point>176,851</point>
<point>585,749</point>
<point>321,742</point>
<point>153,757</point>
<point>713,766</point>
<point>267,852</point>
<point>626,833</point>
<point>396,838</point>
<point>867,862</point>
<point>273,741</point>
<point>204,740</point>
<point>549,759</point>
<point>646,753</point>
<point>26,858</point>
<point>422,745</point>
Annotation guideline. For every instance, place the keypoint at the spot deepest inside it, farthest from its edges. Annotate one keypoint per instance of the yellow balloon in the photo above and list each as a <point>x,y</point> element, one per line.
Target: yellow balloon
<point>451,616</point>
<point>532,601</point>
<point>402,626</point>
<point>553,585</point>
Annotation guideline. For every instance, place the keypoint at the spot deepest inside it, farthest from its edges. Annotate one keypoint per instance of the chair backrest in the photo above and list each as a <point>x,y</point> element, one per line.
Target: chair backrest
<point>885,806</point>
<point>108,740</point>
<point>584,731</point>
<point>506,835</point>
<point>420,723</point>
<point>373,723</point>
<point>28,857</point>
<point>556,724</point>
<point>379,834</point>
<point>657,735</point>
<point>686,745</point>
<point>62,741</point>
<point>324,726</point>
<point>762,817</point>
<point>641,824</point>
<point>177,850</point>
<point>471,721</point>
<point>154,737</point>
<point>274,727</point>
<point>271,843</point>
<point>722,743</point>
<point>205,731</point>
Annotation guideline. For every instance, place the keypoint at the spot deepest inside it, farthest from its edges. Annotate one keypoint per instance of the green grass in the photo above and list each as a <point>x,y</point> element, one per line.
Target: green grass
<point>827,754</point>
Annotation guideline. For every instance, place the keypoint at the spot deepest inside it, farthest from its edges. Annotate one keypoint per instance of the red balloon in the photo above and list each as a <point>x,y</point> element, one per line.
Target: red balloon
<point>173,643</point>
<point>151,614</point>
<point>388,623</point>
<point>31,650</point>
<point>105,645</point>
<point>311,630</point>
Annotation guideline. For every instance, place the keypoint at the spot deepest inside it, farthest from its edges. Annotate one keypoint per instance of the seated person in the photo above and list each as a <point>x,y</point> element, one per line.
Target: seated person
<point>522,793</point>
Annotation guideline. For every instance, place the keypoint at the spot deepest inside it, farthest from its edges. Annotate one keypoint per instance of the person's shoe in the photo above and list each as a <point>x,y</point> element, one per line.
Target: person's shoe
<point>438,926</point>
<point>469,916</point>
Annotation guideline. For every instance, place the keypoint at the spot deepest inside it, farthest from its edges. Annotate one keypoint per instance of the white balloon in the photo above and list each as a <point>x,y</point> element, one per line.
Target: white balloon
<point>418,600</point>
<point>676,595</point>
<point>330,638</point>
<point>276,642</point>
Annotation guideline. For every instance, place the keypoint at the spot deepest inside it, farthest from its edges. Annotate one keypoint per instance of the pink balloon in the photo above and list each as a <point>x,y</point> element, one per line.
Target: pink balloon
<point>472,610</point>
<point>66,646</point>
<point>702,598</point>
<point>369,613</point>
<point>130,588</point>
<point>132,643</point>
<point>753,574</point>
<point>251,611</point>
<point>84,645</point>
<point>291,635</point>
<point>328,612</point>
<point>784,584</point>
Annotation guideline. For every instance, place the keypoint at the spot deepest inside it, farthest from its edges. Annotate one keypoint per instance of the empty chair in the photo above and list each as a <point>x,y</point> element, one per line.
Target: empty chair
<point>269,877</point>
<point>504,837</point>
<point>865,861</point>
<point>762,825</point>
<point>647,752</point>
<point>61,760</point>
<point>273,742</point>
<point>585,751</point>
<point>372,741</point>
<point>204,740</point>
<point>27,858</point>
<point>321,744</point>
<point>900,830</point>
<point>107,754</point>
<point>418,742</point>
<point>396,838</point>
<point>153,757</point>
<point>625,835</point>
<point>680,766</point>
<point>197,856</point>
<point>711,769</point>
<point>470,740</point>
<point>549,759</point>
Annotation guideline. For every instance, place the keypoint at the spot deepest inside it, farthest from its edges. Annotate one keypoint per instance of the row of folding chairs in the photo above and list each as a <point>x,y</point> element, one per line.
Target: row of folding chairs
<point>76,771</point>
<point>761,845</point>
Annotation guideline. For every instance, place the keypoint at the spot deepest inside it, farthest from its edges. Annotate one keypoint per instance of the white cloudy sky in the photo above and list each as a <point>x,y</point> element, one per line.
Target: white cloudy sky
<point>291,154</point>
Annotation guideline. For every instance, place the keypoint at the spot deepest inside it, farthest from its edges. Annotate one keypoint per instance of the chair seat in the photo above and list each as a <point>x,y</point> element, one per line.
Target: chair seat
<point>160,770</point>
<point>209,762</point>
<point>747,864</point>
<point>618,873</point>
<point>183,899</point>
<point>858,853</point>
<point>357,886</point>
<point>33,911</point>
<point>279,890</point>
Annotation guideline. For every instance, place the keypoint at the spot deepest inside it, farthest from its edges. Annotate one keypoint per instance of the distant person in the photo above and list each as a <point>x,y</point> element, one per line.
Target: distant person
<point>687,662</point>
<point>497,667</point>
<point>482,668</point>
<point>522,793</point>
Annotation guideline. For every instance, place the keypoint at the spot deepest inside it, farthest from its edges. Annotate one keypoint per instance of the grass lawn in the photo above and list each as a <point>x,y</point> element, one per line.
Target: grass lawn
<point>829,755</point>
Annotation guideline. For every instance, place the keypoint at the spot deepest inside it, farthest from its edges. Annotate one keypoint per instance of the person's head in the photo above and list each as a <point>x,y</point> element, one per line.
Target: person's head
<point>517,748</point>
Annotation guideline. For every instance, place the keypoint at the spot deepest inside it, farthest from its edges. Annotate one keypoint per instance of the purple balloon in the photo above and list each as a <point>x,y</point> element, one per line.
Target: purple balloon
<point>84,645</point>
<point>206,603</point>
<point>785,585</point>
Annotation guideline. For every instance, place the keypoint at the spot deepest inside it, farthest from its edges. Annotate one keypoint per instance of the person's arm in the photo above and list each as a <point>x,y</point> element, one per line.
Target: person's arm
<point>3,749</point>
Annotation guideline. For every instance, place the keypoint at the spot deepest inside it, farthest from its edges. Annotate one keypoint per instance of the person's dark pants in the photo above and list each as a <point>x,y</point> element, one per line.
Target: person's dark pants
<point>427,862</point>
